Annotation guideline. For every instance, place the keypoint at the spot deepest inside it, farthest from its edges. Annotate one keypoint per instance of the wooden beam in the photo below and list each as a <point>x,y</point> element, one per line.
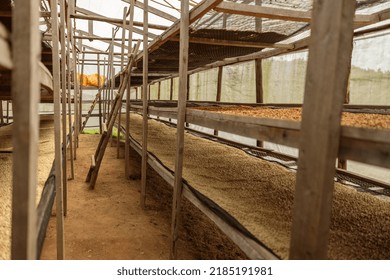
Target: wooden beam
<point>232,43</point>
<point>57,134</point>
<point>100,96</point>
<point>326,84</point>
<point>277,13</point>
<point>181,114</point>
<point>135,30</point>
<point>117,21</point>
<point>145,93</point>
<point>196,13</point>
<point>152,10</point>
<point>25,137</point>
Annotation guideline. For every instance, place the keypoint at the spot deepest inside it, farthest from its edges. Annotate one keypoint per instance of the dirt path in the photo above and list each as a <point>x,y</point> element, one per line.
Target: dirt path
<point>108,222</point>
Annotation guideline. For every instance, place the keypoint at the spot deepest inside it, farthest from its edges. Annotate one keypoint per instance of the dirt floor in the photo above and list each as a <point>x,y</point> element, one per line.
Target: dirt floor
<point>108,222</point>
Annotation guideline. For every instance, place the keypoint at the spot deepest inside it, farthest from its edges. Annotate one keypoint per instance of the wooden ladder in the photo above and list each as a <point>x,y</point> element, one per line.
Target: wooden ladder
<point>96,159</point>
<point>90,110</point>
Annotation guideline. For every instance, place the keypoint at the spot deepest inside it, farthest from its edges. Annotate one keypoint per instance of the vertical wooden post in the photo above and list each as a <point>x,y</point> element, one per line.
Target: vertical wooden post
<point>121,77</point>
<point>259,70</point>
<point>100,96</point>
<point>81,91</point>
<point>63,96</point>
<point>105,90</point>
<point>25,94</point>
<point>1,113</point>
<point>71,10</point>
<point>183,80</point>
<point>112,78</point>
<point>171,92</point>
<point>69,83</point>
<point>127,146</point>
<point>57,133</point>
<point>326,84</point>
<point>145,104</point>
<point>159,91</point>
<point>8,102</point>
<point>219,89</point>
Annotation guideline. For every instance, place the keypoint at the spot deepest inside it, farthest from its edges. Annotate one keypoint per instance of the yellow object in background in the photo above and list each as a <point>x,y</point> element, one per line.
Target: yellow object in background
<point>90,80</point>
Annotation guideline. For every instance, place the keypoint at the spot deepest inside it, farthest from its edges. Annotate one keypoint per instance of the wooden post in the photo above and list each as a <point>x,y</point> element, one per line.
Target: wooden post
<point>159,91</point>
<point>171,92</point>
<point>259,69</point>
<point>63,96</point>
<point>145,105</point>
<point>105,90</point>
<point>81,91</point>
<point>100,96</point>
<point>326,84</point>
<point>127,146</point>
<point>8,102</point>
<point>71,8</point>
<point>122,63</point>
<point>219,89</point>
<point>112,78</point>
<point>57,133</point>
<point>182,99</point>
<point>1,113</point>
<point>25,95</point>
<point>69,83</point>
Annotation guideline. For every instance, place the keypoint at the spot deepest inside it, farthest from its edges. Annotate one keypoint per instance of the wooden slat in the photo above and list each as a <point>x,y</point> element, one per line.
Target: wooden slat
<point>57,134</point>
<point>25,94</point>
<point>117,21</point>
<point>276,13</point>
<point>326,84</point>
<point>152,10</point>
<point>135,30</point>
<point>232,43</point>
<point>145,95</point>
<point>100,97</point>
<point>181,114</point>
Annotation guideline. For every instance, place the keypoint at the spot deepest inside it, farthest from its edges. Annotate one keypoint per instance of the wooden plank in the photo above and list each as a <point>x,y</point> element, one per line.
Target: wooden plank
<point>276,13</point>
<point>181,114</point>
<point>77,112</point>
<point>135,30</point>
<point>326,84</point>
<point>145,93</point>
<point>25,94</point>
<point>63,107</point>
<point>127,128</point>
<point>93,162</point>
<point>153,10</point>
<point>232,43</point>
<point>117,21</point>
<point>57,134</point>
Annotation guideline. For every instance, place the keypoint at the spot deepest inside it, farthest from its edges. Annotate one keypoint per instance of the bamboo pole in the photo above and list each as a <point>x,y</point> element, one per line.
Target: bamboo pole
<point>57,134</point>
<point>25,93</point>
<point>145,105</point>
<point>182,100</point>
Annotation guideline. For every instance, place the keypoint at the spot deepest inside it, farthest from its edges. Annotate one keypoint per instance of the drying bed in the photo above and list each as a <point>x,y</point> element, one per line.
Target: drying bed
<point>259,195</point>
<point>45,161</point>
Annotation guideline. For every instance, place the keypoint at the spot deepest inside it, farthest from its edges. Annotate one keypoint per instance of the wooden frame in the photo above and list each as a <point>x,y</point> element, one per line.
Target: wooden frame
<point>25,94</point>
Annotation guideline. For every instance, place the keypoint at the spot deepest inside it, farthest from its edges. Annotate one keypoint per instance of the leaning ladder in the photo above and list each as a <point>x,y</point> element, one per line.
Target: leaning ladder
<point>96,159</point>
